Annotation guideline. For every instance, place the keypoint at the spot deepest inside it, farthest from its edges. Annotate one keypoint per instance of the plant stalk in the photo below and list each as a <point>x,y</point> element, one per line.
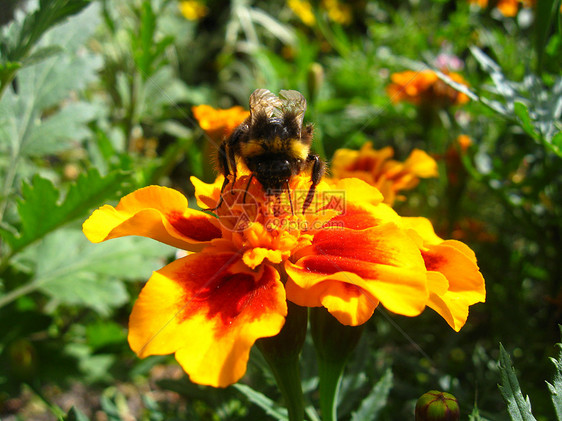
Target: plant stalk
<point>282,353</point>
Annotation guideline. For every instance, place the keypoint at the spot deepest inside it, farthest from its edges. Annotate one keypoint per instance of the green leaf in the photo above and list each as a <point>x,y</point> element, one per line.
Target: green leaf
<point>75,415</point>
<point>545,13</point>
<point>59,131</point>
<point>26,128</point>
<point>144,59</point>
<point>519,408</point>
<point>73,271</point>
<point>557,141</point>
<point>556,386</point>
<point>45,84</point>
<point>522,113</point>
<point>475,415</point>
<point>8,67</point>
<point>376,399</point>
<point>270,407</point>
<point>41,54</point>
<point>23,35</point>
<point>102,334</point>
<point>42,209</point>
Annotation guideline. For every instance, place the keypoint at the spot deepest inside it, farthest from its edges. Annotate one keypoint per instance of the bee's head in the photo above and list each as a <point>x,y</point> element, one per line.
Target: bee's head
<point>273,171</point>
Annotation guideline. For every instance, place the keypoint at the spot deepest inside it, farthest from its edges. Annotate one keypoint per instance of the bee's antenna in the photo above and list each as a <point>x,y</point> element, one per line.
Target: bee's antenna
<point>247,187</point>
<point>289,194</point>
<point>224,183</point>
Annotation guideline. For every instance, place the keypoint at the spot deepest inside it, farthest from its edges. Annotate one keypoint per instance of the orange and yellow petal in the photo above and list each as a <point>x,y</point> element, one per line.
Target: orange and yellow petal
<point>359,216</point>
<point>340,294</point>
<point>451,259</point>
<point>156,212</point>
<point>452,262</point>
<point>208,309</point>
<point>508,8</point>
<point>358,191</point>
<point>207,195</point>
<point>423,228</point>
<point>420,164</point>
<point>217,122</point>
<point>383,262</point>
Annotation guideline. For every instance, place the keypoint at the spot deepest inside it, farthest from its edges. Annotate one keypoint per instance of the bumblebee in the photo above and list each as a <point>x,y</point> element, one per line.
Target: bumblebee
<point>273,144</point>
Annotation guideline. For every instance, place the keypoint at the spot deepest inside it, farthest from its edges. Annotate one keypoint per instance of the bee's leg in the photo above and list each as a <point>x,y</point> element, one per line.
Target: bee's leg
<point>231,163</point>
<point>247,187</point>
<point>290,199</point>
<point>224,169</point>
<point>233,180</point>
<point>318,168</point>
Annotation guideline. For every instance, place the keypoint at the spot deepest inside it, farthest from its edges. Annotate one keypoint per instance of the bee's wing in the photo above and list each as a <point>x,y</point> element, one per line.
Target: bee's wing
<point>293,104</point>
<point>264,101</point>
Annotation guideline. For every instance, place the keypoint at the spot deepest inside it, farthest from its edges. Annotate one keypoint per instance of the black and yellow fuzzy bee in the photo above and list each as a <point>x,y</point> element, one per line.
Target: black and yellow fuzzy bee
<point>273,144</point>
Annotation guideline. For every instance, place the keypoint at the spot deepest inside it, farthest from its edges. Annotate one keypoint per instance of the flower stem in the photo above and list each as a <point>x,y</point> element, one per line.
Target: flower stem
<point>334,343</point>
<point>282,354</point>
<point>330,373</point>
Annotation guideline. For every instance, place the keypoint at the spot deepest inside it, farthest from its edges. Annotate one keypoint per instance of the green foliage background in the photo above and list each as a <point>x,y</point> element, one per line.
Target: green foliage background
<point>96,101</point>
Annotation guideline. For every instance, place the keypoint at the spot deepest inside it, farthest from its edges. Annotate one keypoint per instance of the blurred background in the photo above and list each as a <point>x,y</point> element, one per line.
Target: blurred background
<point>96,100</point>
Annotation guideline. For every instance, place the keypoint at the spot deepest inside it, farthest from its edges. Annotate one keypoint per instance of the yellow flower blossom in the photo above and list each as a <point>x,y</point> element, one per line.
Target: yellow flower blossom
<point>303,9</point>
<point>425,87</point>
<point>219,123</point>
<point>378,169</point>
<point>193,9</point>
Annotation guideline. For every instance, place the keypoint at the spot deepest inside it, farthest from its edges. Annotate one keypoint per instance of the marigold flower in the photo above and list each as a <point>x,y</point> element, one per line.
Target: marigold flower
<point>303,9</point>
<point>378,169</point>
<point>453,159</point>
<point>218,123</point>
<point>338,12</point>
<point>348,252</point>
<point>193,9</point>
<point>425,87</point>
<point>508,8</point>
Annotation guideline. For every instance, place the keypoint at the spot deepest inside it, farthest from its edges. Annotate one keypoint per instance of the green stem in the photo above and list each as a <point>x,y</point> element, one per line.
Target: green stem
<point>287,377</point>
<point>334,344</point>
<point>18,292</point>
<point>330,374</point>
<point>282,354</point>
<point>54,408</point>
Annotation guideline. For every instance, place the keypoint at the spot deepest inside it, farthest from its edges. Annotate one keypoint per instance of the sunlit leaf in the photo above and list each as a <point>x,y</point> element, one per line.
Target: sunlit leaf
<point>25,129</point>
<point>519,407</point>
<point>24,33</point>
<point>524,119</point>
<point>105,333</point>
<point>73,271</point>
<point>557,141</point>
<point>41,54</point>
<point>556,386</point>
<point>42,209</point>
<point>75,414</point>
<point>376,400</point>
<point>546,12</point>
<point>259,399</point>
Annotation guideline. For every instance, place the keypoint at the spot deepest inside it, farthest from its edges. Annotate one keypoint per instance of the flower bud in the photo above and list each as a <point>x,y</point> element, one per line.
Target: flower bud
<point>315,79</point>
<point>437,406</point>
<point>23,359</point>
